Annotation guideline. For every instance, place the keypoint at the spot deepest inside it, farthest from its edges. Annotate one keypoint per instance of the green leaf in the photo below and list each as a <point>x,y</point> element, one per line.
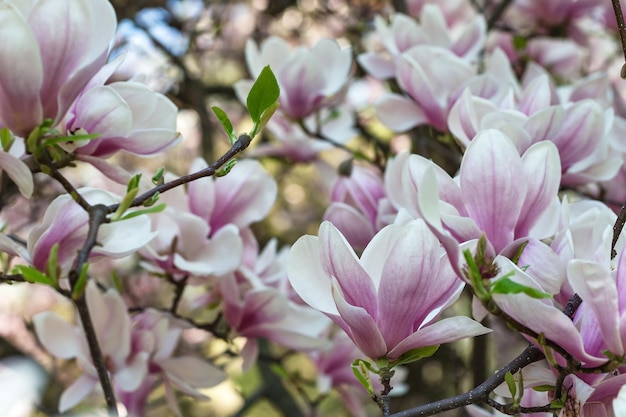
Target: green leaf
<point>518,252</point>
<point>361,369</point>
<point>154,209</point>
<point>74,138</point>
<point>116,281</point>
<point>6,139</point>
<point>263,94</point>
<point>81,283</point>
<point>265,117</point>
<point>158,177</point>
<point>544,388</point>
<point>33,275</point>
<point>133,183</point>
<point>510,382</point>
<point>52,268</point>
<point>226,168</point>
<point>126,202</point>
<point>415,355</point>
<point>226,123</point>
<point>506,286</point>
<point>150,202</point>
<point>519,42</point>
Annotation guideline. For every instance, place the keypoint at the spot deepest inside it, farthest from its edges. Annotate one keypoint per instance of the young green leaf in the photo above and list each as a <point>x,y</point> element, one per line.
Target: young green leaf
<point>226,168</point>
<point>33,275</point>
<point>157,178</point>
<point>52,268</point>
<point>6,139</point>
<point>226,123</point>
<point>81,283</point>
<point>510,382</point>
<point>415,355</point>
<point>361,372</point>
<point>506,286</point>
<point>154,209</point>
<point>263,94</point>
<point>265,117</point>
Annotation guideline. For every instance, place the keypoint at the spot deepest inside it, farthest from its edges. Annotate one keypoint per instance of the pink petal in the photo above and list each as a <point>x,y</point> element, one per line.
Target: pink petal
<point>444,331</point>
<point>361,328</point>
<point>399,113</point>
<point>596,287</point>
<point>492,186</point>
<point>76,392</point>
<point>21,73</point>
<point>59,337</point>
<point>19,173</point>
<point>307,275</point>
<point>189,373</point>
<point>340,262</point>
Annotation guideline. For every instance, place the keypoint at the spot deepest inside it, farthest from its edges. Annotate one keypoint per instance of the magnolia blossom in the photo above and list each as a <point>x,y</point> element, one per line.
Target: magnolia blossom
<point>497,193</point>
<point>112,326</point>
<point>354,207</point>
<point>403,33</point>
<point>125,115</point>
<point>42,68</point>
<point>12,165</point>
<point>138,351</point>
<point>309,79</point>
<point>67,224</point>
<point>432,77</point>
<point>387,300</point>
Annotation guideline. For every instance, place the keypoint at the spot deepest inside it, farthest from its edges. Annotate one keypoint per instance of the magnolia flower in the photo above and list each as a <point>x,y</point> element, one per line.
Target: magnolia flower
<point>126,116</point>
<point>112,325</point>
<point>67,224</point>
<point>497,193</point>
<point>242,197</point>
<point>387,300</point>
<point>432,77</point>
<point>354,207</point>
<point>404,32</point>
<point>42,68</point>
<point>309,79</point>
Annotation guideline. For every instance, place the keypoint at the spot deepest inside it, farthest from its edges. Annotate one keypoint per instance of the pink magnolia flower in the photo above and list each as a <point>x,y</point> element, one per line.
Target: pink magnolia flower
<point>309,79</point>
<point>497,193</point>
<point>112,324</point>
<point>139,351</point>
<point>157,334</point>
<point>43,69</point>
<point>404,32</point>
<point>66,223</point>
<point>387,300</point>
<point>126,115</point>
<point>354,207</point>
<point>432,77</point>
<point>242,197</point>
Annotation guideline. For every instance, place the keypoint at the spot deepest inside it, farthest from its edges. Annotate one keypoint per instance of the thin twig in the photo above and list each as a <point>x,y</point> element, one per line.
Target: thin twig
<point>239,146</point>
<point>621,30</point>
<point>497,13</point>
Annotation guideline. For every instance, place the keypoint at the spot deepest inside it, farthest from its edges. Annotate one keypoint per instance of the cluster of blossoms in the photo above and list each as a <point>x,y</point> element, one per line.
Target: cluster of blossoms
<point>533,125</point>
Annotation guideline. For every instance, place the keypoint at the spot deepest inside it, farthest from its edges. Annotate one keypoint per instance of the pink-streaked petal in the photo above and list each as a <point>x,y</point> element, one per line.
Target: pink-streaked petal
<point>244,196</point>
<point>132,374</point>
<point>399,113</point>
<point>444,331</point>
<point>492,185</point>
<point>404,296</point>
<point>101,110</point>
<point>356,228</point>
<point>307,276</point>
<point>596,287</point>
<point>19,173</point>
<point>188,373</point>
<point>549,320</point>
<point>428,207</point>
<point>249,354</point>
<point>376,66</point>
<point>76,392</point>
<point>218,256</point>
<point>542,167</point>
<point>337,64</point>
<point>59,337</point>
<point>111,171</point>
<point>88,28</point>
<point>21,73</point>
<point>124,237</point>
<point>340,262</point>
<point>362,328</point>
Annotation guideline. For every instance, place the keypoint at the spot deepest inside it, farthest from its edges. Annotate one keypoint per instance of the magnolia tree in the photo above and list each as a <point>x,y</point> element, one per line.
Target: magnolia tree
<point>468,155</point>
